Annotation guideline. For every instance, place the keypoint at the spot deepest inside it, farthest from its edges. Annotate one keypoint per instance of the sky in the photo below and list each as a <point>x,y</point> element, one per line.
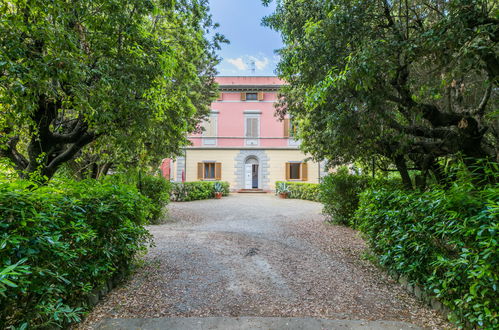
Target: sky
<point>250,42</point>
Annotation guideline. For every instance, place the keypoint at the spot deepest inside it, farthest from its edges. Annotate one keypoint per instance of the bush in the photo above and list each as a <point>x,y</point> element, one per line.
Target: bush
<point>60,242</point>
<point>339,192</point>
<point>445,241</point>
<point>301,190</point>
<point>157,189</point>
<point>197,190</point>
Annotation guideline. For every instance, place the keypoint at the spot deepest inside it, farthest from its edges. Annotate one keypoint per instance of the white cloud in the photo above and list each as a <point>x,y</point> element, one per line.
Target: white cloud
<point>243,63</point>
<point>238,63</point>
<point>260,64</point>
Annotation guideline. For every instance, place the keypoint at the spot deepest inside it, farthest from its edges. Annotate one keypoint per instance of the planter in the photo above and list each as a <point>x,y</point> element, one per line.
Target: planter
<point>283,195</point>
<point>218,195</point>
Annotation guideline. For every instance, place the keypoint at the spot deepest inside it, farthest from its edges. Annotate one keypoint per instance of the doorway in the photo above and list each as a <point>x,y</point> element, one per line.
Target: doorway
<point>251,173</point>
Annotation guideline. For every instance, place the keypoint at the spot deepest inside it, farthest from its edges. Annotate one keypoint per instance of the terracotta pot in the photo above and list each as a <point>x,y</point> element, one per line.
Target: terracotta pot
<point>283,195</point>
<point>218,195</point>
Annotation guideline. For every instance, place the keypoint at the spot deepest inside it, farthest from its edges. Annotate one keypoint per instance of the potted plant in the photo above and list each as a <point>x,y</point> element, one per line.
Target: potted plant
<point>218,189</point>
<point>282,189</point>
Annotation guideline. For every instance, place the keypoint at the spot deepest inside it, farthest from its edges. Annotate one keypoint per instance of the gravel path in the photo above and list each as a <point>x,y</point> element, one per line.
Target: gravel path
<point>257,255</point>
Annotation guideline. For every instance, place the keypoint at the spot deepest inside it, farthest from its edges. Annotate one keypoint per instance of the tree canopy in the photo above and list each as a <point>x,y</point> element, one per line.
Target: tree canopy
<point>120,76</point>
<point>409,80</point>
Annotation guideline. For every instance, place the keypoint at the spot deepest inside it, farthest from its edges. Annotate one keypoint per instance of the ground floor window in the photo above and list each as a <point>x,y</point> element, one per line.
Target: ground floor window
<point>209,171</point>
<point>296,171</point>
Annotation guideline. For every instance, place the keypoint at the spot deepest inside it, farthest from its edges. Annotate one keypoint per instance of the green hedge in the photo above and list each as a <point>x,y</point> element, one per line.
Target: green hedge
<point>191,191</point>
<point>60,242</point>
<point>445,241</point>
<point>156,188</point>
<point>340,191</point>
<point>302,190</point>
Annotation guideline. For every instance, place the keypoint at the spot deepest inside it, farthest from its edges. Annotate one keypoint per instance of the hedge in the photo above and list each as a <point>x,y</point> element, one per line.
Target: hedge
<point>60,242</point>
<point>196,190</point>
<point>340,191</point>
<point>302,190</point>
<point>154,187</point>
<point>444,241</point>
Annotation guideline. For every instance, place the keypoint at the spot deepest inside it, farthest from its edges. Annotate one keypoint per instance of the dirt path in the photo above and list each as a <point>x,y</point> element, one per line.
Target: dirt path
<point>257,255</point>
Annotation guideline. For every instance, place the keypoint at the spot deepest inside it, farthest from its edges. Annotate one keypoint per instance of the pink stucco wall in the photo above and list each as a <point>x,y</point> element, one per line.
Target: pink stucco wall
<point>231,114</point>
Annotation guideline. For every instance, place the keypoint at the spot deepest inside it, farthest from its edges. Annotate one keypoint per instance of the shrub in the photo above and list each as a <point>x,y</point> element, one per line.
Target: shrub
<point>339,192</point>
<point>157,189</point>
<point>60,242</point>
<point>445,241</point>
<point>301,190</point>
<point>191,191</point>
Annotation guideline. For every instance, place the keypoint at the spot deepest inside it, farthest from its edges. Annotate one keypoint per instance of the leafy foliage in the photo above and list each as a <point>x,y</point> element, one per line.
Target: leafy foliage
<point>339,192</point>
<point>300,190</point>
<point>412,81</point>
<point>59,242</point>
<point>445,241</point>
<point>197,190</point>
<point>122,78</point>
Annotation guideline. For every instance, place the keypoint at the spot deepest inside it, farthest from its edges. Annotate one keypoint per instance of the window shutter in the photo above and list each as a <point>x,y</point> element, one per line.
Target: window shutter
<point>243,96</point>
<point>220,96</point>
<point>218,171</point>
<point>254,127</point>
<point>200,171</point>
<point>260,96</point>
<point>288,171</point>
<point>286,128</point>
<point>304,171</point>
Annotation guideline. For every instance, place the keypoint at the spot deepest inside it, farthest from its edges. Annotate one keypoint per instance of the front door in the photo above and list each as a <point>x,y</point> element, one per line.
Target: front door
<point>255,176</point>
<point>248,176</point>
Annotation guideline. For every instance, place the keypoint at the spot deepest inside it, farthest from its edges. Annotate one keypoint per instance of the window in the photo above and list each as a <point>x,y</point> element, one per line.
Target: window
<point>210,131</point>
<point>289,128</point>
<point>252,129</point>
<point>209,171</point>
<point>297,171</point>
<point>251,96</point>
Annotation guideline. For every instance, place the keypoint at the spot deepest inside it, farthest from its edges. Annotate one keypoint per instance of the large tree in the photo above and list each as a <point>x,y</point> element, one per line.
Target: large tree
<point>409,80</point>
<point>118,74</point>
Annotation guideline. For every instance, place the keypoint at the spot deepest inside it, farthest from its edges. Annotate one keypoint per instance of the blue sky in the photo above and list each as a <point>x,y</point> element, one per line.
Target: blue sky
<point>240,22</point>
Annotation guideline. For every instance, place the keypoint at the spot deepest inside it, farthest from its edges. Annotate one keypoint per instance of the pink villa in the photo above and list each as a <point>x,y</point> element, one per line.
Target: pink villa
<point>243,142</point>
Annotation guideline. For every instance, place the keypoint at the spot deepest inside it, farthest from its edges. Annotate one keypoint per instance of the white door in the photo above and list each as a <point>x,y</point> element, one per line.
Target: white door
<point>248,176</point>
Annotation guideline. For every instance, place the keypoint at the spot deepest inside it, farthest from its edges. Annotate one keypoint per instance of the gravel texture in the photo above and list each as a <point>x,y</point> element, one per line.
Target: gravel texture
<point>257,255</point>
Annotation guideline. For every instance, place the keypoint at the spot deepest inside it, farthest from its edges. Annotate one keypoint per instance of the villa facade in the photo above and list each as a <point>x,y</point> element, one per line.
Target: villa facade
<point>243,142</point>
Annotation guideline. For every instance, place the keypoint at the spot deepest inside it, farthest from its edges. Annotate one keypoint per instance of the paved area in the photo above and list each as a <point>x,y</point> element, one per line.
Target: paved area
<point>260,257</point>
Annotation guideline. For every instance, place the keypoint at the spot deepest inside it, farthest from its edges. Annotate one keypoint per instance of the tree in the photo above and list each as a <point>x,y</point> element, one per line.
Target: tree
<point>120,75</point>
<point>410,80</point>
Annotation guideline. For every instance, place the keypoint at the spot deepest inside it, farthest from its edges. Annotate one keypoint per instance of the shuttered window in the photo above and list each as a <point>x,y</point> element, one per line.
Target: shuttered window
<point>252,127</point>
<point>209,171</point>
<point>296,171</point>
<point>210,127</point>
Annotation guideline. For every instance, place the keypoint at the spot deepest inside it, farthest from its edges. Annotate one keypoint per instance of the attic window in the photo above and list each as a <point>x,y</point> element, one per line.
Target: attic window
<point>251,96</point>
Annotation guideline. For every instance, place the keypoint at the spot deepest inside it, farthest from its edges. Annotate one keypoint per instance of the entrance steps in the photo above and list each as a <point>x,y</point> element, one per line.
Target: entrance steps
<point>249,191</point>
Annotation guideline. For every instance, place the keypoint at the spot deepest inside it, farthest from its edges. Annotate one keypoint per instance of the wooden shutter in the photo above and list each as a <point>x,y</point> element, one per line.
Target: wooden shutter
<point>200,171</point>
<point>286,127</point>
<point>260,96</point>
<point>288,171</point>
<point>304,171</point>
<point>218,171</point>
<point>220,96</point>
<point>243,96</point>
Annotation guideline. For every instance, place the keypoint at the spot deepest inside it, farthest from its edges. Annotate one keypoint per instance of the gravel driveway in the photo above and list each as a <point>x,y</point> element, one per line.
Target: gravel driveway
<point>257,255</point>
